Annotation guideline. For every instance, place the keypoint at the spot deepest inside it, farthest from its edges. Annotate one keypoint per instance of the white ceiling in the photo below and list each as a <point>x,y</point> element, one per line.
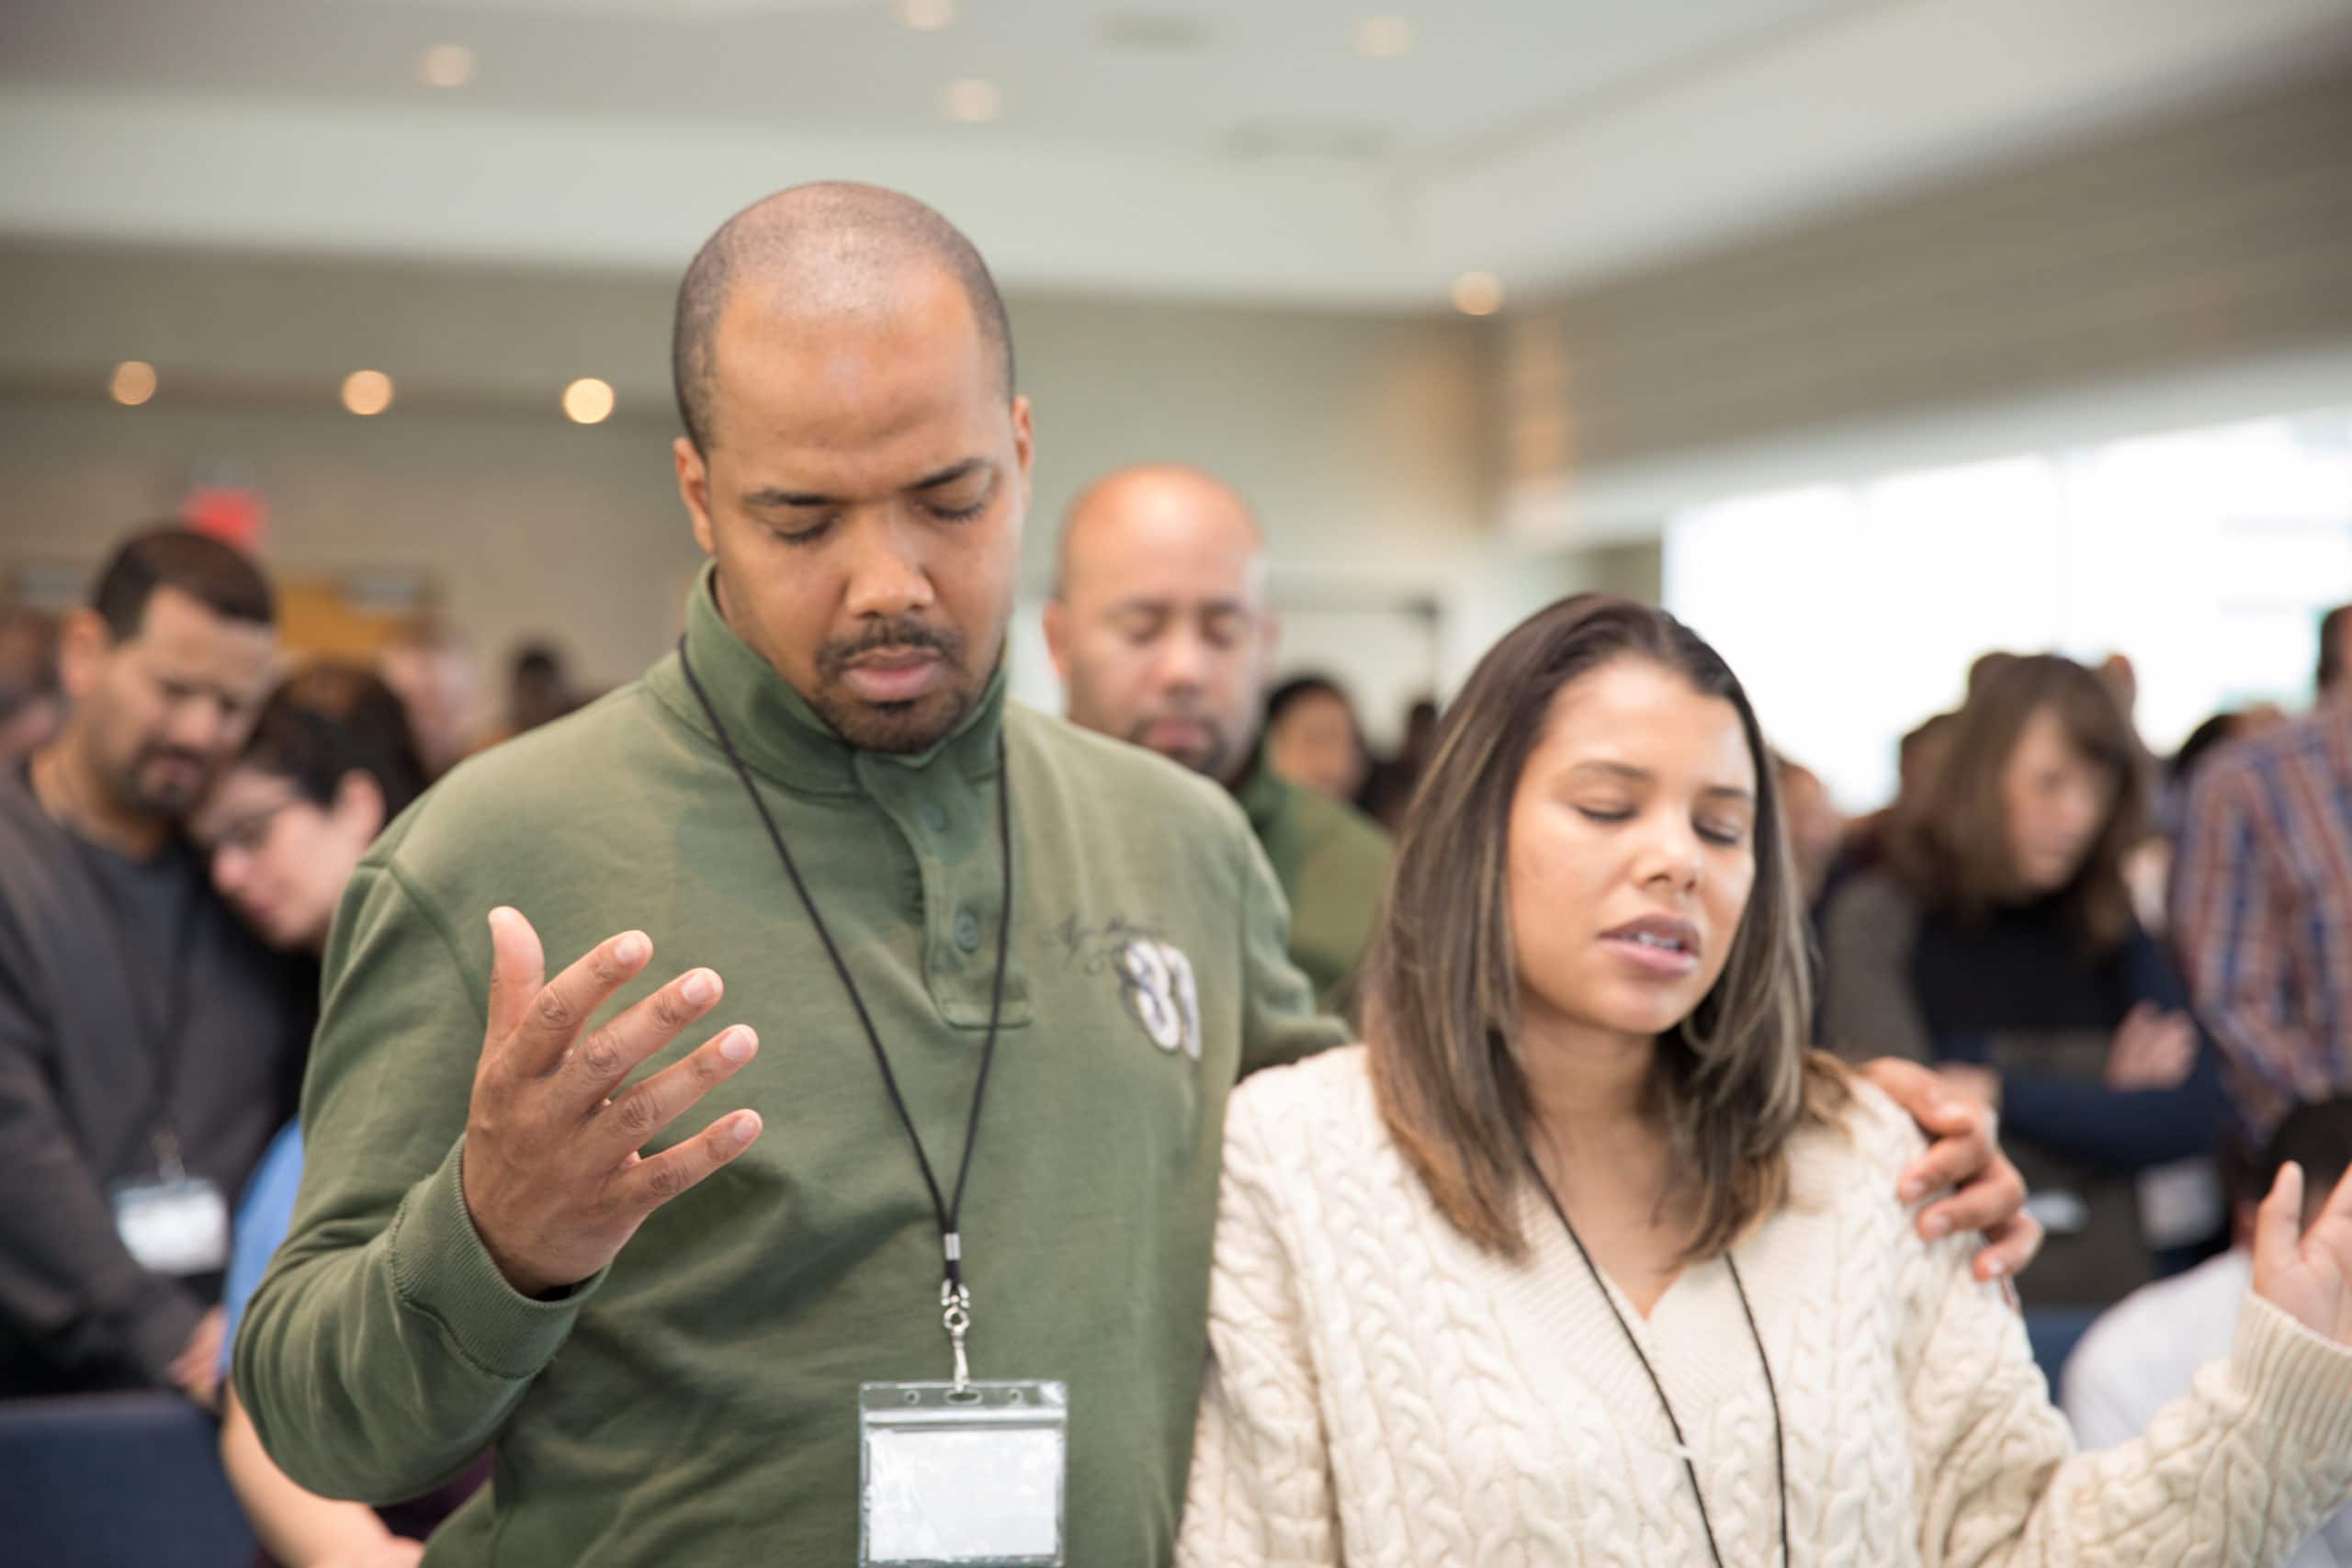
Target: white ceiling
<point>1183,148</point>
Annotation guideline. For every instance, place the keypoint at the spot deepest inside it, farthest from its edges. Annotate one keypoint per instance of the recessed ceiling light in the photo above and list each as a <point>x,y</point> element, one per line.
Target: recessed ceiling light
<point>973,100</point>
<point>367,392</point>
<point>1383,37</point>
<point>1477,294</point>
<point>588,400</point>
<point>927,15</point>
<point>446,65</point>
<point>133,383</point>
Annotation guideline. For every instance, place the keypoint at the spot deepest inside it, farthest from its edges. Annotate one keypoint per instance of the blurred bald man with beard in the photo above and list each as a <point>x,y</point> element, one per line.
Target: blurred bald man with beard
<point>1159,628</point>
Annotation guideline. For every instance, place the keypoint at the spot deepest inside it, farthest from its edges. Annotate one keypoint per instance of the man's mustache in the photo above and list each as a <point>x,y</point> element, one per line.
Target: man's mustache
<point>899,633</point>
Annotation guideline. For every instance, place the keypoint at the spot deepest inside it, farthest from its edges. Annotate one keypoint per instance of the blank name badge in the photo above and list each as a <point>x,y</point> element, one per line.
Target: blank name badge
<point>174,1228</point>
<point>968,1475</point>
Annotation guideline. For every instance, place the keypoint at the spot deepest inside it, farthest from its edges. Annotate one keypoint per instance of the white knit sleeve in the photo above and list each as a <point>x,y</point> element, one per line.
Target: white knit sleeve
<point>1261,1493</point>
<point>2234,1473</point>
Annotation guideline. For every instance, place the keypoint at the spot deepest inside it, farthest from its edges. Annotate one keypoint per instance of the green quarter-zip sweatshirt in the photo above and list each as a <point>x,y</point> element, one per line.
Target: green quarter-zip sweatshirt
<point>1332,862</point>
<point>698,1402</point>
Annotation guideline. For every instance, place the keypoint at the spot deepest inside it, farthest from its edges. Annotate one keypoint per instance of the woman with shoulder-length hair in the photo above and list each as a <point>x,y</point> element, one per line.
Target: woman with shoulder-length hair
<point>1585,1255</point>
<point>1998,941</point>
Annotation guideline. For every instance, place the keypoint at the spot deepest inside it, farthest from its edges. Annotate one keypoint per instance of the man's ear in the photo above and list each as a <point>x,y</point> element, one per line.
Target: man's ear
<point>84,644</point>
<point>1056,620</point>
<point>694,488</point>
<point>1025,445</point>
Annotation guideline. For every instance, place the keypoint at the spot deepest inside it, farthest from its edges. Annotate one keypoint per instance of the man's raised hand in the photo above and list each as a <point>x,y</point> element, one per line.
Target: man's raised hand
<point>552,1177</point>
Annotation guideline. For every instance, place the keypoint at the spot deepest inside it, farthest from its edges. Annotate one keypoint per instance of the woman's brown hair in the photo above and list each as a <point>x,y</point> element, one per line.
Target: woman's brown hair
<point>1951,846</point>
<point>1441,990</point>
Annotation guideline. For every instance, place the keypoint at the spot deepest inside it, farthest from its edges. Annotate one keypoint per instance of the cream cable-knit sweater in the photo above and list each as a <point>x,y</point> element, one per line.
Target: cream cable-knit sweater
<point>1383,1394</point>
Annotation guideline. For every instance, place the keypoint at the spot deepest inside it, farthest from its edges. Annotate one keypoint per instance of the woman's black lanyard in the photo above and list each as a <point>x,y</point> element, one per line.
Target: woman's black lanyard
<point>1690,1460</point>
<point>954,1296</point>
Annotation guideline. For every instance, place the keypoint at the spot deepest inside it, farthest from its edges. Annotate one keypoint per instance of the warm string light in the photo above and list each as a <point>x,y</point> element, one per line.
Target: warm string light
<point>1477,294</point>
<point>446,65</point>
<point>588,400</point>
<point>367,392</point>
<point>133,383</point>
<point>1383,37</point>
<point>974,100</point>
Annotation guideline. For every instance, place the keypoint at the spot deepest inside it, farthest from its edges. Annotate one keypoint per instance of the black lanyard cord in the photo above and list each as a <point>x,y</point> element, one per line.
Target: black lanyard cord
<point>947,1209</point>
<point>1690,1460</point>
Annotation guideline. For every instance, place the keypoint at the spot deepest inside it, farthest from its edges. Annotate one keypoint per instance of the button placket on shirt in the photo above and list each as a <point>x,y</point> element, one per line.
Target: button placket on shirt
<point>958,879</point>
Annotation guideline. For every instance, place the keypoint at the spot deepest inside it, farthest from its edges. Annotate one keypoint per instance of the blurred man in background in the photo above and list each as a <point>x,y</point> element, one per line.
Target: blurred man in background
<point>32,703</point>
<point>1160,631</point>
<point>432,669</point>
<point>149,1047</point>
<point>2334,653</point>
<point>2262,902</point>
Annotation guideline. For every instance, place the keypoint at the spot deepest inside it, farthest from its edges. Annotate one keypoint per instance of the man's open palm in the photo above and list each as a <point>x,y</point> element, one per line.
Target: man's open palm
<point>552,1176</point>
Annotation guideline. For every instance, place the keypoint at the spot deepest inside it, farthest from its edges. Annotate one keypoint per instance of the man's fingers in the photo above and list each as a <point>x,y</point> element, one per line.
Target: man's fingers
<point>517,969</point>
<point>670,1093</point>
<point>2009,1248</point>
<point>559,1009</point>
<point>1920,1092</point>
<point>1983,1205</point>
<point>602,1059</point>
<point>649,1183</point>
<point>1962,1148</point>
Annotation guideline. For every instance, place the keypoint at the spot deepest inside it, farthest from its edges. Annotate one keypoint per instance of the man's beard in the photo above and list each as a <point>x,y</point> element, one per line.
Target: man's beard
<point>163,797</point>
<point>914,725</point>
<point>1212,758</point>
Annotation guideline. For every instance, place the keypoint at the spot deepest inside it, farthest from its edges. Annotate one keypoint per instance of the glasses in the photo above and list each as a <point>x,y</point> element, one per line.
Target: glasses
<point>249,832</point>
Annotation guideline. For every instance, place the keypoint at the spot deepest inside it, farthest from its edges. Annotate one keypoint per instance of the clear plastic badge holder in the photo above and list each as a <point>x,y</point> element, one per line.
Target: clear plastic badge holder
<point>961,1473</point>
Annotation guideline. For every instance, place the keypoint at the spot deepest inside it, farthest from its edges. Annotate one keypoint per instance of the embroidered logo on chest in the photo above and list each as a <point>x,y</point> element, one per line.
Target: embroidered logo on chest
<point>1157,980</point>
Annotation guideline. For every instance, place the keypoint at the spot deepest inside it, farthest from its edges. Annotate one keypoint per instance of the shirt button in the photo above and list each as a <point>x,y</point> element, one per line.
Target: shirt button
<point>934,816</point>
<point>967,929</point>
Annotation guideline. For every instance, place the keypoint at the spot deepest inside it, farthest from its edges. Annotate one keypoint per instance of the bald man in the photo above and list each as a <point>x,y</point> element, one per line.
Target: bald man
<point>1159,628</point>
<point>657,1228</point>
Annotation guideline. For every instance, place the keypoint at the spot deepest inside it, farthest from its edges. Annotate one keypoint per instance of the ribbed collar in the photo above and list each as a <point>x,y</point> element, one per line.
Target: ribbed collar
<point>779,735</point>
<point>1264,796</point>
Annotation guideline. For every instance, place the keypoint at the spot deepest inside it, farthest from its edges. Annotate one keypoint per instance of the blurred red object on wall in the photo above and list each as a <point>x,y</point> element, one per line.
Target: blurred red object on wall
<point>235,514</point>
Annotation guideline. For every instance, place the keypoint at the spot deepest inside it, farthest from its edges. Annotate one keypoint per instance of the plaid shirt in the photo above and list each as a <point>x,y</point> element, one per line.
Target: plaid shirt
<point>2262,912</point>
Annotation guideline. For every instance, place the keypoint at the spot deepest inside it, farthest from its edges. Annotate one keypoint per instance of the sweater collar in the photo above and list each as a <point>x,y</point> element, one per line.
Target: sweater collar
<point>779,735</point>
<point>1264,796</point>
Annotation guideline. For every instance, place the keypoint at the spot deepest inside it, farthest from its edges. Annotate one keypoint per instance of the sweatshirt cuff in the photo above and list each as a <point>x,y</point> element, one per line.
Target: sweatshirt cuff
<point>441,1270</point>
<point>2300,1383</point>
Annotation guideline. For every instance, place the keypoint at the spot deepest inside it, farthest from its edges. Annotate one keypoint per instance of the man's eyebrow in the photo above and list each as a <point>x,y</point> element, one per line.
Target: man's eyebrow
<point>950,474</point>
<point>776,496</point>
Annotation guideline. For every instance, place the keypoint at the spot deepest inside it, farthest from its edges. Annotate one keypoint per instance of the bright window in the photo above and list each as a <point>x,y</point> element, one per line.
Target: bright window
<point>1852,611</point>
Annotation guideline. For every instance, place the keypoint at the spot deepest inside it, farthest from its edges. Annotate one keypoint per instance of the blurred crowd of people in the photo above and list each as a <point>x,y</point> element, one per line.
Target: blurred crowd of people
<point>2142,964</point>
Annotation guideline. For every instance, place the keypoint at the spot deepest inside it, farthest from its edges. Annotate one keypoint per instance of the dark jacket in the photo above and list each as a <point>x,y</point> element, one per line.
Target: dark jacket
<point>2015,995</point>
<point>79,1104</point>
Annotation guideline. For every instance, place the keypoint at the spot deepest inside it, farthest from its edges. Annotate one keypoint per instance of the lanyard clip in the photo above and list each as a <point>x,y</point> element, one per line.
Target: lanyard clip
<point>955,1317</point>
<point>167,1156</point>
